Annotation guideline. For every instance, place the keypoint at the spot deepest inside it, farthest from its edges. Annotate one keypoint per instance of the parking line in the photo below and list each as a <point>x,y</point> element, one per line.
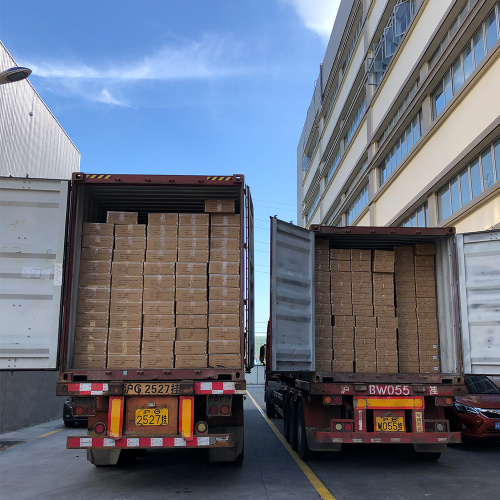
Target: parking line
<point>318,485</point>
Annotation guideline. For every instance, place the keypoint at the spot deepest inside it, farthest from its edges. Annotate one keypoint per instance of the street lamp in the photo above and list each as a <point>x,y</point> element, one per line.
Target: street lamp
<point>14,74</point>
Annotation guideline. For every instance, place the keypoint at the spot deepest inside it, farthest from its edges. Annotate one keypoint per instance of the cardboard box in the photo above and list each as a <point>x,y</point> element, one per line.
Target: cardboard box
<point>191,269</point>
<point>93,347</point>
<point>196,308</point>
<point>224,280</point>
<point>162,268</point>
<point>126,362</point>
<point>425,249</point>
<point>164,219</point>
<point>95,266</point>
<point>224,306</point>
<point>130,230</point>
<point>343,343</point>
<point>159,294</point>
<point>97,241</point>
<point>387,322</point>
<point>159,347</point>
<point>191,281</point>
<point>192,334</point>
<point>343,332</point>
<point>162,232</point>
<point>340,366</point>
<point>191,294</point>
<point>364,299</point>
<point>225,219</point>
<point>191,361</point>
<point>124,335</point>
<point>89,253</point>
<point>224,347</point>
<point>128,347</point>
<point>159,281</point>
<point>385,311</point>
<point>323,366</point>
<point>158,307</point>
<point>364,332</point>
<point>343,320</point>
<point>322,287</point>
<point>362,310</point>
<point>386,333</point>
<point>94,280</point>
<point>125,321</point>
<point>342,309</point>
<point>365,366</point>
<point>194,219</point>
<point>324,354</point>
<point>362,346</point>
<point>190,321</point>
<point>161,243</point>
<point>193,232</point>
<point>224,244</point>
<point>128,282</point>
<point>127,268</point>
<point>340,266</point>
<point>192,256</point>
<point>155,333</point>
<point>221,206</point>
<point>130,243</point>
<point>387,367</point>
<point>383,299</point>
<point>98,229</point>
<point>126,295</point>
<point>225,293</point>
<point>343,354</point>
<point>226,255</point>
<point>122,217</point>
<point>93,306</point>
<point>366,321</point>
<point>161,255</point>
<point>95,320</point>
<point>323,321</point>
<point>225,232</point>
<point>361,260</point>
<point>339,277</point>
<point>223,333</point>
<point>224,361</point>
<point>224,267</point>
<point>386,345</point>
<point>90,334</point>
<point>86,361</point>
<point>340,254</point>
<point>128,255</point>
<point>323,342</point>
<point>223,320</point>
<point>425,261</point>
<point>158,321</point>
<point>425,291</point>
<point>157,361</point>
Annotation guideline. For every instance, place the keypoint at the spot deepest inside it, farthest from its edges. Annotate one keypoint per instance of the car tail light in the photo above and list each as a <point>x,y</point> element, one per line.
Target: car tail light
<point>219,405</point>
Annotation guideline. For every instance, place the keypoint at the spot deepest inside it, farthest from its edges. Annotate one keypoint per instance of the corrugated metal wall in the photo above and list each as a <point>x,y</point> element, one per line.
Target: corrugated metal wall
<point>32,142</point>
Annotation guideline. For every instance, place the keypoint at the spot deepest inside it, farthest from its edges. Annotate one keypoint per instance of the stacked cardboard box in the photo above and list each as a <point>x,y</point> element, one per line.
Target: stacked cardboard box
<point>323,313</point>
<point>92,319</point>
<point>224,347</point>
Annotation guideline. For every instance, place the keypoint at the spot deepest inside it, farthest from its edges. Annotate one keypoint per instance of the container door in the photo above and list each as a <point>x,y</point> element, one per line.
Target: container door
<point>250,284</point>
<point>32,228</point>
<point>479,283</point>
<point>292,297</point>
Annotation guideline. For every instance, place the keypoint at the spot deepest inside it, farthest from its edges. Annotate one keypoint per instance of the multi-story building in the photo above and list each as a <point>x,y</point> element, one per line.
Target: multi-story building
<point>404,124</point>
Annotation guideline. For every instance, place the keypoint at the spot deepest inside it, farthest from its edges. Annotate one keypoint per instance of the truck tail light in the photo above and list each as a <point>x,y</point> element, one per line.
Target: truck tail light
<point>342,426</point>
<point>219,405</point>
<point>443,401</point>
<point>332,400</point>
<point>99,428</point>
<point>83,406</point>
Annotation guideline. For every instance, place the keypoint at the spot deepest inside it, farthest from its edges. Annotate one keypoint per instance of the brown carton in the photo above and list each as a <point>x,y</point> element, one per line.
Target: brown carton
<point>191,360</point>
<point>223,320</point>
<point>366,321</point>
<point>221,206</point>
<point>323,321</point>
<point>193,232</point>
<point>362,310</point>
<point>323,342</point>
<point>383,299</point>
<point>386,345</point>
<point>364,345</point>
<point>128,282</point>
<point>128,230</point>
<point>130,243</point>
<point>125,321</point>
<point>224,280</point>
<point>158,307</point>
<point>165,219</point>
<point>224,244</point>
<point>223,333</point>
<point>87,361</point>
<point>340,366</point>
<point>126,295</point>
<point>224,347</point>
<point>224,361</point>
<point>342,309</point>
<point>366,366</point>
<point>162,232</point>
<point>95,320</point>
<point>387,322</point>
<point>158,333</point>
<point>93,306</point>
<point>340,266</point>
<point>225,293</point>
<point>343,354</point>
<point>157,361</point>
<point>425,249</point>
<point>128,255</point>
<point>190,321</point>
<point>161,255</point>
<point>122,217</point>
<point>158,347</point>
<point>130,348</point>
<point>97,241</point>
<point>95,266</point>
<point>124,335</point>
<point>89,334</point>
<point>159,294</point>
<point>158,321</point>
<point>191,269</point>
<point>118,361</point>
<point>89,253</point>
<point>323,366</point>
<point>191,294</point>
<point>92,347</point>
<point>194,219</point>
<point>191,281</point>
<point>159,281</point>
<point>223,255</point>
<point>192,334</point>
<point>341,332</point>
<point>225,232</point>
<point>343,343</point>
<point>196,308</point>
<point>161,243</point>
<point>385,311</point>
<point>94,280</point>
<point>225,219</point>
<point>223,267</point>
<point>363,332</point>
<point>348,321</point>
<point>362,299</point>
<point>98,229</point>
<point>192,256</point>
<point>425,261</point>
<point>324,354</point>
<point>386,333</point>
<point>120,268</point>
<point>162,268</point>
<point>224,306</point>
<point>340,254</point>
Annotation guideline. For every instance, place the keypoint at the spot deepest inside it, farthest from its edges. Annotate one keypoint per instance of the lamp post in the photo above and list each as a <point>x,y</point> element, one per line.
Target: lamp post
<point>14,74</point>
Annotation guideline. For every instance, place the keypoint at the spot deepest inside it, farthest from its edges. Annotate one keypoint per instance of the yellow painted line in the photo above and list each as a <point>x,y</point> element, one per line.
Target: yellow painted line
<point>48,433</point>
<point>34,439</point>
<point>314,480</point>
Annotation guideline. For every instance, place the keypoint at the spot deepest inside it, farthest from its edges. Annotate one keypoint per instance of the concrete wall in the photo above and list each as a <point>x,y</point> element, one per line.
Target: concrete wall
<point>28,398</point>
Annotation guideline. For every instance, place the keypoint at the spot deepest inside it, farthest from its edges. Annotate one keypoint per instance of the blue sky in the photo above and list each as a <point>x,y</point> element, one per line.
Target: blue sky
<point>181,86</point>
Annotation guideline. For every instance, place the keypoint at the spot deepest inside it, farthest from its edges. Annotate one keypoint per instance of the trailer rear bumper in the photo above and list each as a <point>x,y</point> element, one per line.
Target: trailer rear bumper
<point>326,437</point>
<point>210,441</point>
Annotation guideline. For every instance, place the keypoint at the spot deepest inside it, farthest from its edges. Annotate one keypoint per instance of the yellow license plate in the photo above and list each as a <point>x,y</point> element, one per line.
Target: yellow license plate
<point>151,416</point>
<point>390,424</point>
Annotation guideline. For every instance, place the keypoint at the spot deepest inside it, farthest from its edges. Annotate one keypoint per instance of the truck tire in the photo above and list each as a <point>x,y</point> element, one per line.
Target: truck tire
<point>270,410</point>
<point>292,426</point>
<point>302,446</point>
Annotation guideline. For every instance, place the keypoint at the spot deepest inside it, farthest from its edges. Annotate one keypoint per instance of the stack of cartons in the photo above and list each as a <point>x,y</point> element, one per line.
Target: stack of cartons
<point>224,347</point>
<point>92,320</point>
<point>125,318</point>
<point>191,305</point>
<point>158,331</point>
<point>406,303</point>
<point>323,313</point>
<point>425,286</point>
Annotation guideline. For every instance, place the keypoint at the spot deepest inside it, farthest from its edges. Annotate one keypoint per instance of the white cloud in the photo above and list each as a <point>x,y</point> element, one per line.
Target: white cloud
<point>317,15</point>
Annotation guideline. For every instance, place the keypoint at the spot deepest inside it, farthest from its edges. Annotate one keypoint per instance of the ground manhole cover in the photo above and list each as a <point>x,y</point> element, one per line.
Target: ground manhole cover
<point>7,444</point>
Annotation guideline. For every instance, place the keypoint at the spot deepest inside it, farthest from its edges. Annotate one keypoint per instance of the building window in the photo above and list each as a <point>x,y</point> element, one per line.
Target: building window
<point>355,123</point>
<point>472,54</point>
<point>403,146</point>
<point>333,166</point>
<point>356,207</point>
<point>312,206</point>
<point>419,218</point>
<point>482,173</point>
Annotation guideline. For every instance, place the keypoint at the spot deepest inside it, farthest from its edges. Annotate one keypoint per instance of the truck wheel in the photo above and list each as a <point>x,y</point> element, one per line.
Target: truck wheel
<point>431,456</point>
<point>292,427</point>
<point>270,410</point>
<point>302,446</point>
<point>286,420</point>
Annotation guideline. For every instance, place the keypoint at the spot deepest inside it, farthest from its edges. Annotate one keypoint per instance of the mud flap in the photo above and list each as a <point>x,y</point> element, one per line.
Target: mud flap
<point>228,454</point>
<point>103,457</point>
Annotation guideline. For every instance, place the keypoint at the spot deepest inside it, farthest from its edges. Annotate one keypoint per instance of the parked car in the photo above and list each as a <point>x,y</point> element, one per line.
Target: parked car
<point>69,419</point>
<point>478,413</point>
